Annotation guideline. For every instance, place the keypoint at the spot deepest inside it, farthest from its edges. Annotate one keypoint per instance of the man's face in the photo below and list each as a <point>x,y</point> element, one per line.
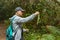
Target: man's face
<point>20,13</point>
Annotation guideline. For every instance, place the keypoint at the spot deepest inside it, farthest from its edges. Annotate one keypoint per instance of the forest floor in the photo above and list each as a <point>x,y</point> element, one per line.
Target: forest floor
<point>2,31</point>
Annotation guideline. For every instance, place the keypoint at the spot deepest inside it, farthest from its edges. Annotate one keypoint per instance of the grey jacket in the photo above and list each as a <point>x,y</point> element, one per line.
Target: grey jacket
<point>17,23</point>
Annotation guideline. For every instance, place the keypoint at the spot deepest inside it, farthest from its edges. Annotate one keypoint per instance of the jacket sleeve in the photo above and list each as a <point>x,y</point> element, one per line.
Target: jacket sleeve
<point>29,18</point>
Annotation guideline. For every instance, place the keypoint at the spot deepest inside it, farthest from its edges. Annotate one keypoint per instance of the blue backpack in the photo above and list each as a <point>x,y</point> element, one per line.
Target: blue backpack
<point>9,31</point>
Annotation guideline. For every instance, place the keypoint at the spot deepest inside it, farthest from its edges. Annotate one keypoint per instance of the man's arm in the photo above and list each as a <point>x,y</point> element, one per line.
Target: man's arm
<point>29,18</point>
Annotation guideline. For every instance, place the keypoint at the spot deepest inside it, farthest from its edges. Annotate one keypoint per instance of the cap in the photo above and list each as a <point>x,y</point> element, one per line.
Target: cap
<point>19,9</point>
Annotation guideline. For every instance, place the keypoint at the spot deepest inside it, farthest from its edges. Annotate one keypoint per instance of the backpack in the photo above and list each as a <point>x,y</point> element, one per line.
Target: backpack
<point>9,31</point>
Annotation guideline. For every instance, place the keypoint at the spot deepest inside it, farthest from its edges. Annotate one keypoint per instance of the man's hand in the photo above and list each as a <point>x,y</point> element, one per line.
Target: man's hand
<point>26,30</point>
<point>37,13</point>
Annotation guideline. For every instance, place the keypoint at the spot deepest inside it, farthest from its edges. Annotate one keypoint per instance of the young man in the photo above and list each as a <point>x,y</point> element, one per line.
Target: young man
<point>18,21</point>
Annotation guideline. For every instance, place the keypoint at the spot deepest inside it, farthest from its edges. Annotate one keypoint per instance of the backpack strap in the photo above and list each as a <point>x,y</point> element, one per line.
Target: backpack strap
<point>12,21</point>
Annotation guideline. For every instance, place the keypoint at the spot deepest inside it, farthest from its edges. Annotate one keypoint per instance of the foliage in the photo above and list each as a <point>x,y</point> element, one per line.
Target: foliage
<point>32,36</point>
<point>48,37</point>
<point>53,30</point>
<point>49,15</point>
<point>38,36</point>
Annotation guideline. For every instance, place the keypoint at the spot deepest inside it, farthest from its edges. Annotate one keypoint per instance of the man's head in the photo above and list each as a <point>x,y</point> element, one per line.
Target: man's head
<point>19,11</point>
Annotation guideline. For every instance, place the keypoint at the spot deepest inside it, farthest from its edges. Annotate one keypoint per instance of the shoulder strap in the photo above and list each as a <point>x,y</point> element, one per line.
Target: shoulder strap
<point>12,20</point>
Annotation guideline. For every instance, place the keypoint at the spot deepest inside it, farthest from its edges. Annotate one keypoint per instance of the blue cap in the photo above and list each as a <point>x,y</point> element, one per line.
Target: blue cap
<point>19,9</point>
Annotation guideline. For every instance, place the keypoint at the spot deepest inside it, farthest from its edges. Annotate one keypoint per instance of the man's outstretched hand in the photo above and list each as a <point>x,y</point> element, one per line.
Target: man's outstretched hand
<point>37,13</point>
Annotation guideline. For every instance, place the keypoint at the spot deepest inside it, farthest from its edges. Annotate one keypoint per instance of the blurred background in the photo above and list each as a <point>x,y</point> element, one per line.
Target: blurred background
<point>45,26</point>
